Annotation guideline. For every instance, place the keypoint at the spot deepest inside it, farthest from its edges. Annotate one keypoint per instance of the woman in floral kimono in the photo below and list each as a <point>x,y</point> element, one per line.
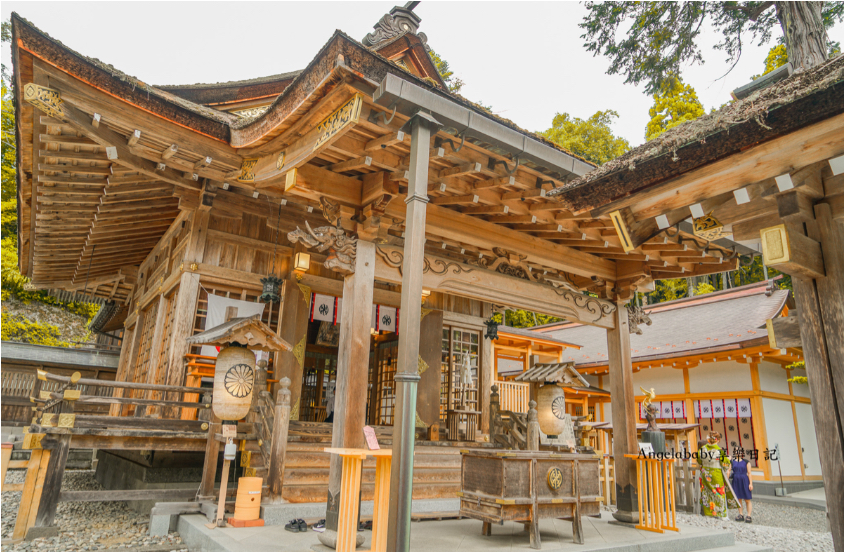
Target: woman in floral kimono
<point>716,493</point>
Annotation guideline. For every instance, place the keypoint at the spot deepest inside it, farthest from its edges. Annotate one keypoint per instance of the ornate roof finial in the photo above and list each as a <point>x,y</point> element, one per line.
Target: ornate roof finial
<point>399,21</point>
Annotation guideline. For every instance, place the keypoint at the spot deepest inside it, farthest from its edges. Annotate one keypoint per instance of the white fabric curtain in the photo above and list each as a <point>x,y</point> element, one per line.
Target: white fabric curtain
<point>216,315</point>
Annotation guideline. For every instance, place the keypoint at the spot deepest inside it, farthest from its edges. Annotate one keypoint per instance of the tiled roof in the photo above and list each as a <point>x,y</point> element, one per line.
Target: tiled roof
<point>683,326</point>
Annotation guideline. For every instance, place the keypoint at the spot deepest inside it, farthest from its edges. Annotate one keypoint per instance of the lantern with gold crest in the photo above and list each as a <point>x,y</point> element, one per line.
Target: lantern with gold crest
<point>708,227</point>
<point>234,370</point>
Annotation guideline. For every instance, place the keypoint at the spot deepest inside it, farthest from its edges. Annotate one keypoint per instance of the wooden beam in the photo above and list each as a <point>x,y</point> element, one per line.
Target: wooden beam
<point>789,251</point>
<point>116,148</point>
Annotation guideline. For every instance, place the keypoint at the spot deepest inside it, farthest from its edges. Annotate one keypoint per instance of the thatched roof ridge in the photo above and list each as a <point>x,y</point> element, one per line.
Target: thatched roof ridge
<point>754,108</point>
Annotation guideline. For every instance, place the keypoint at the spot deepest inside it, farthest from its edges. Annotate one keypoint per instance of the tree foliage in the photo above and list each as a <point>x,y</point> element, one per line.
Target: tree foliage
<point>674,104</point>
<point>648,42</point>
<point>520,318</point>
<point>592,138</point>
<point>454,83</point>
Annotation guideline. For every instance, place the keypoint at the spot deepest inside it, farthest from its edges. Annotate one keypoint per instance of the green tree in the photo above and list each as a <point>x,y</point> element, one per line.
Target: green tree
<point>454,83</point>
<point>592,138</point>
<point>649,41</point>
<point>674,104</point>
<point>704,288</point>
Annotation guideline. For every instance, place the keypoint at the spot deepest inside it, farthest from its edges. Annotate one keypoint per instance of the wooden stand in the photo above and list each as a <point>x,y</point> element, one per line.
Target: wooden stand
<point>453,420</point>
<point>347,523</point>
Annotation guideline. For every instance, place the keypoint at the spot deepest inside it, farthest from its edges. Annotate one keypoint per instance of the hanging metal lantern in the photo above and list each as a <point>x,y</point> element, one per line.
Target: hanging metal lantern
<point>492,329</point>
<point>270,291</point>
<point>708,227</point>
<point>551,409</point>
<point>234,380</point>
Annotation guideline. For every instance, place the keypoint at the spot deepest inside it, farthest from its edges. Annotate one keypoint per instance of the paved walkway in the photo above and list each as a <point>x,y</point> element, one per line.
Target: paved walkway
<point>465,535</point>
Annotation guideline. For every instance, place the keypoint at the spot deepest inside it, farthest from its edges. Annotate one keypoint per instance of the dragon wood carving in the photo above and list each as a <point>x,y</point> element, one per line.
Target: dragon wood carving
<point>342,248</point>
<point>636,317</point>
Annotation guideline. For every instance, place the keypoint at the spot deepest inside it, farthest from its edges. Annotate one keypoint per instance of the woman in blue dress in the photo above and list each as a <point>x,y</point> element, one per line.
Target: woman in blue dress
<point>742,486</point>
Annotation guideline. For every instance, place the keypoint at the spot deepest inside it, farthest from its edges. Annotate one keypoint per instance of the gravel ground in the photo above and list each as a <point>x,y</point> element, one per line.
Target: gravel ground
<point>780,527</point>
<point>87,526</point>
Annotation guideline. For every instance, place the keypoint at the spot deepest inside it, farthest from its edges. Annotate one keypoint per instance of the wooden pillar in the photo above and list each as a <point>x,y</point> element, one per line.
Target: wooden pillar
<point>353,362</point>
<point>623,410</point>
<point>279,443</point>
<point>402,467</point>
<point>821,380</point>
<point>487,373</point>
<point>431,347</point>
<point>46,511</point>
<point>294,317</point>
<point>184,318</point>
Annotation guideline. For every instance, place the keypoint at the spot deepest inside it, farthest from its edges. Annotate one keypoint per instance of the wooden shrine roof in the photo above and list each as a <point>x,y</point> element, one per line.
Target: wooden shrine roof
<point>80,210</point>
<point>720,323</point>
<point>797,101</point>
<point>249,331</point>
<point>552,372</point>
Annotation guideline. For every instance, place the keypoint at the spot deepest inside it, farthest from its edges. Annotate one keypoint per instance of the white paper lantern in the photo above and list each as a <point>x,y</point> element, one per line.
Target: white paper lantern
<point>234,379</point>
<point>551,409</point>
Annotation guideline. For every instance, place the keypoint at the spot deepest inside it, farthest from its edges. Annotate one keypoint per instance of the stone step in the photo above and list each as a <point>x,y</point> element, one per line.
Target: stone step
<point>739,546</point>
<point>317,493</point>
<point>315,476</point>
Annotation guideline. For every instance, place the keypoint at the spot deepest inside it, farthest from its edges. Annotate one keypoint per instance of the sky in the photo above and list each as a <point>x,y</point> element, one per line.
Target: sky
<point>524,59</point>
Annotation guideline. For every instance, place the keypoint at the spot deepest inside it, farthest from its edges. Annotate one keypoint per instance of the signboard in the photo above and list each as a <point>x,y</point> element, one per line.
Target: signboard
<point>370,436</point>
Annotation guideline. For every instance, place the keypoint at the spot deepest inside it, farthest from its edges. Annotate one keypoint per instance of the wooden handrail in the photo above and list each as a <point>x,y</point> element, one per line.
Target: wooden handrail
<point>133,385</point>
<point>101,400</point>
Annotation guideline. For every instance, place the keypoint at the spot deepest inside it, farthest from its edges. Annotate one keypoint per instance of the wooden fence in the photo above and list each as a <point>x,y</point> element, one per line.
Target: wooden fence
<point>686,488</point>
<point>514,396</point>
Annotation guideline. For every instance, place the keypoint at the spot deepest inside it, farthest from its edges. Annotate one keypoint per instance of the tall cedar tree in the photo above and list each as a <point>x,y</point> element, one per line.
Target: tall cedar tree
<point>592,138</point>
<point>656,38</point>
<point>674,104</point>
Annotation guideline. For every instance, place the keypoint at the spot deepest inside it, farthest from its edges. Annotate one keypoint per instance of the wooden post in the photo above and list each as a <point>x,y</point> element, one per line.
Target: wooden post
<point>290,364</point>
<point>533,440</point>
<point>46,511</point>
<point>186,307</point>
<point>623,411</point>
<point>212,451</point>
<point>279,443</point>
<point>7,457</point>
<point>402,472</point>
<point>31,493</point>
<point>826,413</point>
<point>487,373</point>
<point>353,358</point>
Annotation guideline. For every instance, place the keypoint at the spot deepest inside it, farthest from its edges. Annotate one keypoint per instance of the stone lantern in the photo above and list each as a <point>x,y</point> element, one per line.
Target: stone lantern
<point>551,403</point>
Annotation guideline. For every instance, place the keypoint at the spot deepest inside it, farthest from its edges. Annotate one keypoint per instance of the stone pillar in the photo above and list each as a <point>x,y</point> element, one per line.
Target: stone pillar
<point>623,409</point>
<point>294,331</point>
<point>402,468</point>
<point>353,362</point>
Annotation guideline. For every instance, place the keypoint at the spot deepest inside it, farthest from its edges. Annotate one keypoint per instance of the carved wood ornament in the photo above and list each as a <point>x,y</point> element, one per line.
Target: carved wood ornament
<point>342,249</point>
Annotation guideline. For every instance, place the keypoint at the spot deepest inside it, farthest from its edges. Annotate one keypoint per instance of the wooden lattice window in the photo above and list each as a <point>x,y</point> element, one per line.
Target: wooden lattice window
<point>320,369</point>
<point>164,351</point>
<point>386,353</point>
<point>145,355</point>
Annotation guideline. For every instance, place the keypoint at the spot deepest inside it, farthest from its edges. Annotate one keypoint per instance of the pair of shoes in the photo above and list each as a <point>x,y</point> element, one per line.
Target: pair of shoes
<point>739,518</point>
<point>748,519</point>
<point>320,526</point>
<point>296,525</point>
<point>365,525</point>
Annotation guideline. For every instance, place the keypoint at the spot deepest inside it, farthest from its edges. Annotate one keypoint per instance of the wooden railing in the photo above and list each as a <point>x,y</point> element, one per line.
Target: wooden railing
<point>514,396</point>
<point>686,486</point>
<point>513,430</point>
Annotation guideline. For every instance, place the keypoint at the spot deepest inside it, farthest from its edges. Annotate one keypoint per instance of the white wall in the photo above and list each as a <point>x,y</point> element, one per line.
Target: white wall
<point>780,429</point>
<point>802,390</point>
<point>807,431</point>
<point>509,365</point>
<point>722,376</point>
<point>664,380</point>
<point>773,378</point>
